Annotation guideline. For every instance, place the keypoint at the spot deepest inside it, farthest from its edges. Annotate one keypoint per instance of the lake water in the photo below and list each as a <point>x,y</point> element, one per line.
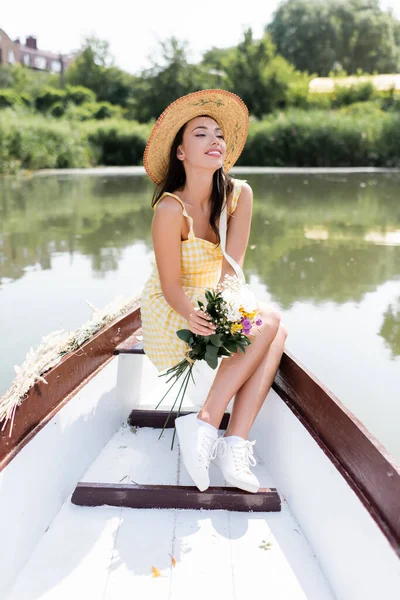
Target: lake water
<point>324,250</point>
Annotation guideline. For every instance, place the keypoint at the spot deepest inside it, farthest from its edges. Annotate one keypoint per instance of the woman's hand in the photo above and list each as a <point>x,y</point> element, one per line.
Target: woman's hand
<point>200,323</point>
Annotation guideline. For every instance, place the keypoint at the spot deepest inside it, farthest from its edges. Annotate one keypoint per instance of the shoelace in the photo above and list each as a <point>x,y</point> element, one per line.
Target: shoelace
<point>206,446</point>
<point>214,451</point>
<point>243,454</point>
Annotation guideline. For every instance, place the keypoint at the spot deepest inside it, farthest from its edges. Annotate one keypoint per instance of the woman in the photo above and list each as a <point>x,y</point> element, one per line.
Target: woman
<point>193,144</point>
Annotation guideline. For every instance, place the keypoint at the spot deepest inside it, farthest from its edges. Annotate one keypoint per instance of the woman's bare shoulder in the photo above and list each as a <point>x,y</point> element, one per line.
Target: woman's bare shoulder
<point>168,204</point>
<point>167,217</point>
<point>246,194</point>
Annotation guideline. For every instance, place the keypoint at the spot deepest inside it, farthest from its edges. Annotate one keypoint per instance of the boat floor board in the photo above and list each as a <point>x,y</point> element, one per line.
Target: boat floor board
<point>107,553</point>
<point>163,418</point>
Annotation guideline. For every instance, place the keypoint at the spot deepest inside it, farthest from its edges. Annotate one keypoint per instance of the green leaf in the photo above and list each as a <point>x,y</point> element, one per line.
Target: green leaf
<point>199,347</point>
<point>231,346</point>
<point>216,339</point>
<point>184,334</point>
<point>212,361</point>
<point>223,352</point>
<point>211,350</point>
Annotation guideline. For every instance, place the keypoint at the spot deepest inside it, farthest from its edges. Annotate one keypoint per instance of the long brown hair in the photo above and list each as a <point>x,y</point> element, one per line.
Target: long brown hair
<point>176,178</point>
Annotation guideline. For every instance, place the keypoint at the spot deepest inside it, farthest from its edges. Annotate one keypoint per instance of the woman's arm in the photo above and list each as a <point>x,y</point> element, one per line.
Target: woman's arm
<point>166,233</point>
<point>238,232</point>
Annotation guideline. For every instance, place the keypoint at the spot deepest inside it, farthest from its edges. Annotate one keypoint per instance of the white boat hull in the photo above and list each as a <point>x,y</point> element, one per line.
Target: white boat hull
<point>325,543</point>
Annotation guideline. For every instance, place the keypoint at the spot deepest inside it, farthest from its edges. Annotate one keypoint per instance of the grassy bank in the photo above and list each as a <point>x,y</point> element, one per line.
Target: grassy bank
<point>353,136</point>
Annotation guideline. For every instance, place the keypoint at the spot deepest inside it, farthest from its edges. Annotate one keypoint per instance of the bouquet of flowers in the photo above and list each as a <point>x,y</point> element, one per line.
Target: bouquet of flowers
<point>232,306</point>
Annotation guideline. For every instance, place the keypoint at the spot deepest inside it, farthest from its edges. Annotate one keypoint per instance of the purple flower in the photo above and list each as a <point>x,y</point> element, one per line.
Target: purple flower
<point>246,324</point>
<point>246,331</point>
<point>259,321</point>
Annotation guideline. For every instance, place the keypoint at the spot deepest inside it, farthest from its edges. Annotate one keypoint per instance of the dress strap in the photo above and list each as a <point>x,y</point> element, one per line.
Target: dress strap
<point>223,225</point>
<point>191,232</point>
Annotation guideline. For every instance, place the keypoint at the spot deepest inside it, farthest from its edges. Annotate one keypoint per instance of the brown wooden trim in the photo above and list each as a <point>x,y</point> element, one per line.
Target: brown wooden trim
<point>131,345</point>
<point>369,469</point>
<point>156,418</point>
<point>175,496</point>
<point>63,381</point>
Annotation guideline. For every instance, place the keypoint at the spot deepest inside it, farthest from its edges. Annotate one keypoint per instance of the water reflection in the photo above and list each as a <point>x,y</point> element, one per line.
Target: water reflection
<point>94,217</point>
<point>390,330</point>
<point>325,242</point>
<point>313,238</point>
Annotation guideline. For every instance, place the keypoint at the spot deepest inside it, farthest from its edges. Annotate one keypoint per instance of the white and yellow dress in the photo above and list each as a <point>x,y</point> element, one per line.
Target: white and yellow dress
<point>201,262</point>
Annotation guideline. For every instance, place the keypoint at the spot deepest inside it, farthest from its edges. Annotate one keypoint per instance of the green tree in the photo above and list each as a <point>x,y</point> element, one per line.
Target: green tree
<point>328,35</point>
<point>94,68</point>
<point>169,77</point>
<point>368,37</point>
<point>260,77</point>
<point>218,58</point>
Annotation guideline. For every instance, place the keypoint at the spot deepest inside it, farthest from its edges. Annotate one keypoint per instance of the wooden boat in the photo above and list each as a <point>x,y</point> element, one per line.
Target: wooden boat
<point>95,505</point>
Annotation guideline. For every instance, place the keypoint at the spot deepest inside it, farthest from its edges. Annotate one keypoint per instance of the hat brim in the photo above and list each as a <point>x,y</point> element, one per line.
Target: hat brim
<point>225,107</point>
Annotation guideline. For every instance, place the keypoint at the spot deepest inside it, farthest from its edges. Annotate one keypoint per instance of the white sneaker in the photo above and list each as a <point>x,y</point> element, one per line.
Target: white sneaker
<point>233,461</point>
<point>198,445</point>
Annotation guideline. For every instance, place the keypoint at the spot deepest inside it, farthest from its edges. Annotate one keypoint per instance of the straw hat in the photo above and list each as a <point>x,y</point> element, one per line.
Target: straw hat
<point>226,108</point>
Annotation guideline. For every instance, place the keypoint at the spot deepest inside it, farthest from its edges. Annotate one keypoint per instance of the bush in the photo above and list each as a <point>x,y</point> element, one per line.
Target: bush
<point>387,145</point>
<point>9,98</point>
<point>371,108</point>
<point>358,135</point>
<point>360,92</point>
<point>390,100</point>
<point>297,94</point>
<point>78,113</point>
<point>78,95</point>
<point>57,109</point>
<point>322,139</point>
<point>26,99</point>
<point>55,101</point>
<point>117,142</point>
<point>92,110</point>
<point>106,110</point>
<point>47,97</point>
<point>33,142</point>
<point>319,100</point>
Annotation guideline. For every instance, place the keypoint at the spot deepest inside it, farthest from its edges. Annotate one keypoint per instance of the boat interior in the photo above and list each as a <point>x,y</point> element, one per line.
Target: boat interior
<point>97,503</point>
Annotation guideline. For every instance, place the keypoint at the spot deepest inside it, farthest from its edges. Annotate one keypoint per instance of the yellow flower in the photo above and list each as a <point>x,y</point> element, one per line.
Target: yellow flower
<point>248,315</point>
<point>236,327</point>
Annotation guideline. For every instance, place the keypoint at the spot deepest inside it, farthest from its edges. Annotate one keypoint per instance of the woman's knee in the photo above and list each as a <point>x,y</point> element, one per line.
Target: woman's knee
<point>283,330</point>
<point>280,338</point>
<point>271,318</point>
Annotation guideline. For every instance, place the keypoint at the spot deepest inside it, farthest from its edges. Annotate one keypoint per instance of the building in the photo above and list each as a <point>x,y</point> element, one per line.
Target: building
<point>28,54</point>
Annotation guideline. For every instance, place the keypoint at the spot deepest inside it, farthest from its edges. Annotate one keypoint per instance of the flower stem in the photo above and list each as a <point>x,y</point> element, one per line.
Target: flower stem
<point>170,388</point>
<point>176,399</point>
<point>187,378</point>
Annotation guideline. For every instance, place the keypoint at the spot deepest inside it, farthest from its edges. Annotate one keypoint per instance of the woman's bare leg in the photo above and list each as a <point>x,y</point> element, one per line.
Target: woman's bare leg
<point>234,371</point>
<point>250,397</point>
